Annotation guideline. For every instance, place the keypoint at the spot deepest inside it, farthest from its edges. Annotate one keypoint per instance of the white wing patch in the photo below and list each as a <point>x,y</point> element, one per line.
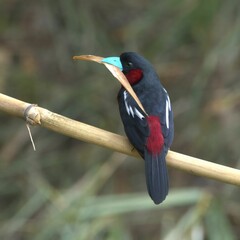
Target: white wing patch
<point>138,114</point>
<point>168,109</point>
<point>125,101</point>
<point>130,110</point>
<point>167,114</point>
<point>169,103</point>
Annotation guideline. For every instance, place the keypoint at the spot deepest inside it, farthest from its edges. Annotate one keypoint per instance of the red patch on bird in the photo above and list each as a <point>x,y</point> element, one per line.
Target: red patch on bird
<point>134,76</point>
<point>155,140</point>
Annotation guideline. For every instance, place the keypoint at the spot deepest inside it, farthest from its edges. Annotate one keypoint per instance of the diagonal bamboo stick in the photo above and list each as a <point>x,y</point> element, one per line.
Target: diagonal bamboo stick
<point>81,131</point>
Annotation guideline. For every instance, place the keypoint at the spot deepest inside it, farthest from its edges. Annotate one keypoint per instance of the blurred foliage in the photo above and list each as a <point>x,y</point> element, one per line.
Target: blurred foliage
<point>73,190</point>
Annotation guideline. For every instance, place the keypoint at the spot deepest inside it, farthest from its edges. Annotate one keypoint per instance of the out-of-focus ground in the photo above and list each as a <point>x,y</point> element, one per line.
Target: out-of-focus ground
<point>73,190</point>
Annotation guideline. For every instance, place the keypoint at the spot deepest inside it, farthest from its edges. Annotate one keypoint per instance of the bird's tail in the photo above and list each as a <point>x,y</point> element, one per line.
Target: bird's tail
<point>156,176</point>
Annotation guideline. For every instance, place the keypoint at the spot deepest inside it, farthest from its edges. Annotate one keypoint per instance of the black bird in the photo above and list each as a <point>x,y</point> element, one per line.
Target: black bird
<point>152,133</point>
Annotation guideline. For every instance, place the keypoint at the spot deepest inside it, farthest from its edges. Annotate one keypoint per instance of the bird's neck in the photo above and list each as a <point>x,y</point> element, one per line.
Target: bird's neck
<point>134,76</point>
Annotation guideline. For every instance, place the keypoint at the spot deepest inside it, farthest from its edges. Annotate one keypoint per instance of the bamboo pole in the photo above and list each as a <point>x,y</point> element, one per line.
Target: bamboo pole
<point>81,131</point>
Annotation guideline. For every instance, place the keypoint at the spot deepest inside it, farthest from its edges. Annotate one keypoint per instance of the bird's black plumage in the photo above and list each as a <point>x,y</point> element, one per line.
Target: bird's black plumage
<point>150,134</point>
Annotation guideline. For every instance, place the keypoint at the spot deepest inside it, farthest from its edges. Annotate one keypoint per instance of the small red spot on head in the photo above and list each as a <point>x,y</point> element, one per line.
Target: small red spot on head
<point>134,76</point>
<point>155,140</point>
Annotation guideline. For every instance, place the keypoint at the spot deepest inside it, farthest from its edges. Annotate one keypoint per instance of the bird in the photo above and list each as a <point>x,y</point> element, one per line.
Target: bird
<point>151,132</point>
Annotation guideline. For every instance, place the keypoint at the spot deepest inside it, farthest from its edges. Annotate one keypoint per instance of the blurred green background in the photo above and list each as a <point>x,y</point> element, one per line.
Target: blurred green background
<point>73,190</point>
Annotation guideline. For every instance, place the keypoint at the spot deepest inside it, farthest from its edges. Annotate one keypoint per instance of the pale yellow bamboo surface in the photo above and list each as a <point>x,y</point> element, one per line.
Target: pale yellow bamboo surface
<point>84,132</point>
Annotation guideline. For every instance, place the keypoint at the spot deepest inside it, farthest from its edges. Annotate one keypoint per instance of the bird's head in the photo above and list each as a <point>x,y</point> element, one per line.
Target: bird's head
<point>131,64</point>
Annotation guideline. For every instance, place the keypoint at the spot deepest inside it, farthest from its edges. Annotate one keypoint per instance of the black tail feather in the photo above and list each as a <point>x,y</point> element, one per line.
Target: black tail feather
<point>156,176</point>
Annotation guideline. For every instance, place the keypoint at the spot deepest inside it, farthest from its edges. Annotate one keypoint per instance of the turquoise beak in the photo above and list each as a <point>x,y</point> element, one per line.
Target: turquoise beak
<point>115,61</point>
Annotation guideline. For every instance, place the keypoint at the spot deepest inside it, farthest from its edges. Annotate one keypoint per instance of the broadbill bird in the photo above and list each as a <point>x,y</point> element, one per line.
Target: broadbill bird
<point>151,132</point>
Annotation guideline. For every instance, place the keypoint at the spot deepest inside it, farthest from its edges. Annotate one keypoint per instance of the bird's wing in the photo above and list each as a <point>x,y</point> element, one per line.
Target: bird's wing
<point>166,116</point>
<point>134,121</point>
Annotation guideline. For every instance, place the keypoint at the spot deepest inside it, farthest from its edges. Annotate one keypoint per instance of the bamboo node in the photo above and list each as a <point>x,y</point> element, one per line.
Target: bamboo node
<point>32,115</point>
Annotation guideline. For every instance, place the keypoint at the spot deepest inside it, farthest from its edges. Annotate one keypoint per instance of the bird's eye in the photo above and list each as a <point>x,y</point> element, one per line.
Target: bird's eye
<point>129,64</point>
